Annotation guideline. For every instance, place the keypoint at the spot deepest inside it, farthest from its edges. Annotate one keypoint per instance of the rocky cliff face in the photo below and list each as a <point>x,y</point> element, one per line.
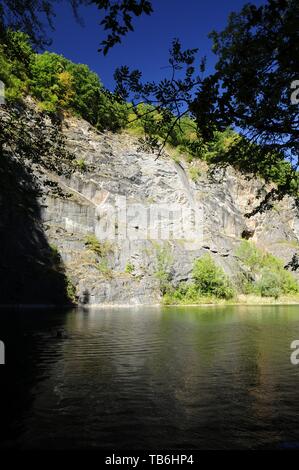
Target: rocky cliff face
<point>112,170</point>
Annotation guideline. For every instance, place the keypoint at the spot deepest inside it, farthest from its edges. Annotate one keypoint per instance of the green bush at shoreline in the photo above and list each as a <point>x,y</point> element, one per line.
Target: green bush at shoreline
<point>263,280</point>
<point>209,283</point>
<point>264,274</point>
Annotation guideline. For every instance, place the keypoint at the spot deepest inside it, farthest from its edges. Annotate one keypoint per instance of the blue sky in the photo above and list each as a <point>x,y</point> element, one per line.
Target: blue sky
<point>147,47</point>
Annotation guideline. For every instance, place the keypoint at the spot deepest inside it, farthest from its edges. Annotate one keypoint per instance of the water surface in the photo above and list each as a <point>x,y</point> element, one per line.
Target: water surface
<point>150,378</point>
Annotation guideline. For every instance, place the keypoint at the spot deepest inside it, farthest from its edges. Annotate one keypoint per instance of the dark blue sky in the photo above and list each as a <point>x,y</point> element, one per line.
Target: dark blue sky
<point>147,47</point>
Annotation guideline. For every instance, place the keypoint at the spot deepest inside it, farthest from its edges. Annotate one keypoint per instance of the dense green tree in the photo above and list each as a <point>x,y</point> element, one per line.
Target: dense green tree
<point>111,115</point>
<point>87,91</point>
<point>51,83</point>
<point>15,58</point>
<point>58,84</point>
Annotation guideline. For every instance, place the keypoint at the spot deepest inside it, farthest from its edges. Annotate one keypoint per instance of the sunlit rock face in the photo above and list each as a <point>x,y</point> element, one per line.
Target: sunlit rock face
<point>118,174</point>
<point>134,203</point>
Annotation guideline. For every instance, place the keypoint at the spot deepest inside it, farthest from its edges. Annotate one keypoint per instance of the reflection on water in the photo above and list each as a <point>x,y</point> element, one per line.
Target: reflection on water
<point>193,378</point>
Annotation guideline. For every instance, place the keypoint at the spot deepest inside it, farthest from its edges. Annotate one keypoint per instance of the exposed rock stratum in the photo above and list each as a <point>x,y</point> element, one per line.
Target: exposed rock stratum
<point>113,168</point>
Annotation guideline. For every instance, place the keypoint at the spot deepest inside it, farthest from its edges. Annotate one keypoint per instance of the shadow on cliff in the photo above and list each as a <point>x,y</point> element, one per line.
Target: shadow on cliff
<point>31,272</point>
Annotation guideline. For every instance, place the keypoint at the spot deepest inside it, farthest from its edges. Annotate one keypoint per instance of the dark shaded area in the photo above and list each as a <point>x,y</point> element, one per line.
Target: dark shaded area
<point>247,234</point>
<point>293,265</point>
<point>21,330</point>
<point>30,270</point>
<point>86,297</point>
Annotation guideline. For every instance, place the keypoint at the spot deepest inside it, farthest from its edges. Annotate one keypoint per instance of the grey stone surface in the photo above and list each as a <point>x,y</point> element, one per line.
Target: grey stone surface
<point>116,167</point>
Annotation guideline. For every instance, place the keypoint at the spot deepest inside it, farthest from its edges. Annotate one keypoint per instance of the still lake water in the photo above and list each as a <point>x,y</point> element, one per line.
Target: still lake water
<point>150,378</point>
